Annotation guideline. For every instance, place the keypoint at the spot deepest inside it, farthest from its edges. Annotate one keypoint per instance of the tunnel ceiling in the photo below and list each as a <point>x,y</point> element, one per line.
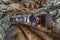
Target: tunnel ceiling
<point>22,5</point>
<point>27,5</point>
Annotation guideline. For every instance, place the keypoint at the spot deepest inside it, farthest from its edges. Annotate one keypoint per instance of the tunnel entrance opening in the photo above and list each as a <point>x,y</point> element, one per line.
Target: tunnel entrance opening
<point>43,19</point>
<point>46,21</point>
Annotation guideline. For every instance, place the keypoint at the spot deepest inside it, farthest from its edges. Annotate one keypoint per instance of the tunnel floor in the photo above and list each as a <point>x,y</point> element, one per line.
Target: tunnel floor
<point>22,32</point>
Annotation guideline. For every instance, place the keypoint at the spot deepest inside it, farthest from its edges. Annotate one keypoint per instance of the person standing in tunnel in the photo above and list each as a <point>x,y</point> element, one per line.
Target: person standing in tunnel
<point>32,19</point>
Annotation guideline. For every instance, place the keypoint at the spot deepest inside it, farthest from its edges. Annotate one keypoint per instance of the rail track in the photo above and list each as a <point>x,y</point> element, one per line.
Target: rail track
<point>22,32</point>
